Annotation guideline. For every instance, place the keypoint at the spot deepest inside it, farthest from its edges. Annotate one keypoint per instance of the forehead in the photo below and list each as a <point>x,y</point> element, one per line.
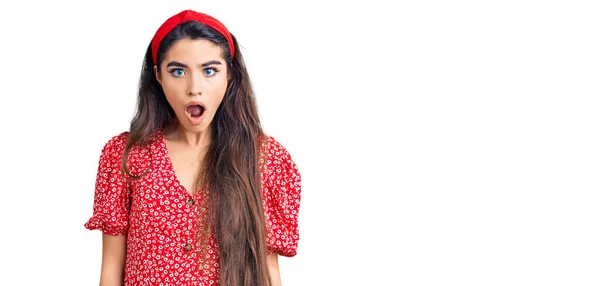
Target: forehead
<point>196,50</point>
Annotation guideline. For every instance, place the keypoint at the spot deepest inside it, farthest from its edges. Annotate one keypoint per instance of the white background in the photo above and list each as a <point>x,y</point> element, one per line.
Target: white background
<point>440,142</point>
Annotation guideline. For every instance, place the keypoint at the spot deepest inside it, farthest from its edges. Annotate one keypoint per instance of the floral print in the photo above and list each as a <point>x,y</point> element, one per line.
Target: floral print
<point>160,218</point>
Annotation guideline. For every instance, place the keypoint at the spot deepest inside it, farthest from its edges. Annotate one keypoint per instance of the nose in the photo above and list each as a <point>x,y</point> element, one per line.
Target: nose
<point>194,85</point>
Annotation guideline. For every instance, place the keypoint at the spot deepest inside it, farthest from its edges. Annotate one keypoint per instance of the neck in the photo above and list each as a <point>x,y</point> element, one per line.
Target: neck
<point>192,139</point>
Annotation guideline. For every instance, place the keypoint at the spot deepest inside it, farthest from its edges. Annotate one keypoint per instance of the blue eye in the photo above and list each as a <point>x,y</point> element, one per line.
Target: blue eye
<point>210,72</point>
<point>177,72</point>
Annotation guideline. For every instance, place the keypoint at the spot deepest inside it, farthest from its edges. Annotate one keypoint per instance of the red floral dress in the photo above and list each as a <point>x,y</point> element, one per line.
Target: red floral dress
<point>160,218</point>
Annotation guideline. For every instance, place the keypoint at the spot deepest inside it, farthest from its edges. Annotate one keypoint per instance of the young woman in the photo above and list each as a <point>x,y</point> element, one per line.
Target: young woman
<point>195,193</point>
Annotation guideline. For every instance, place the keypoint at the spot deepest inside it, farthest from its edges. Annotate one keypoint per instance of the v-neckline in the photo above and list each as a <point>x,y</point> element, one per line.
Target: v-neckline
<point>170,165</point>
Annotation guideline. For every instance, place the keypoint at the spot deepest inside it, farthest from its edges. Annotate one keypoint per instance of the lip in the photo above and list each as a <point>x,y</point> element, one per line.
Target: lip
<point>195,103</point>
<point>195,120</point>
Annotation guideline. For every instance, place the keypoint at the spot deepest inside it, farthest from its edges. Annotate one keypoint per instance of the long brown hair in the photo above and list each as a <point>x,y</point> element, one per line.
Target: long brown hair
<point>230,169</point>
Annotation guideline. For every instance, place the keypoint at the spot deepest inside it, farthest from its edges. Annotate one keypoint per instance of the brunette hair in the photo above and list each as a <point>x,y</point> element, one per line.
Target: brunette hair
<point>231,168</point>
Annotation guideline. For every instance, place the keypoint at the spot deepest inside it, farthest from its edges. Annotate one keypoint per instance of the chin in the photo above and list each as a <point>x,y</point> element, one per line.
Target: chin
<point>196,128</point>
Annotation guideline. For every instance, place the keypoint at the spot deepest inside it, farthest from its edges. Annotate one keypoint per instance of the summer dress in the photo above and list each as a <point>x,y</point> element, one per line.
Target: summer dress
<point>160,218</point>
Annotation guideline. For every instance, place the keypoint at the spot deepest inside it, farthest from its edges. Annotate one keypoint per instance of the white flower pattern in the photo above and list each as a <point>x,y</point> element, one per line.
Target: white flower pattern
<point>160,218</point>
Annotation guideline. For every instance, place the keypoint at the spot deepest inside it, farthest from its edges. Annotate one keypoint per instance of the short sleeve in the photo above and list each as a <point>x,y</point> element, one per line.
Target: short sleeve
<point>111,196</point>
<point>281,195</point>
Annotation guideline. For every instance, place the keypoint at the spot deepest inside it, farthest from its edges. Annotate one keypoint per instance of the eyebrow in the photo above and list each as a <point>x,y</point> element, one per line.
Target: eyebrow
<point>178,64</point>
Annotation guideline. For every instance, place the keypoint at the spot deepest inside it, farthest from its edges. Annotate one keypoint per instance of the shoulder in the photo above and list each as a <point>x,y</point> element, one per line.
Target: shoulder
<point>118,142</point>
<point>278,157</point>
<point>276,151</point>
<point>115,145</point>
<point>119,139</point>
<point>138,157</point>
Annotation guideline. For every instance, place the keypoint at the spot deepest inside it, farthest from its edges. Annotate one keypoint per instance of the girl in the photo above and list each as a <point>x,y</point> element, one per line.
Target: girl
<point>195,193</point>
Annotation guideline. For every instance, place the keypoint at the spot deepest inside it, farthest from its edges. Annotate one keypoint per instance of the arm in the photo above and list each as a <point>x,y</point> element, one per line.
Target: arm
<point>281,196</point>
<point>273,264</point>
<point>111,207</point>
<point>113,260</point>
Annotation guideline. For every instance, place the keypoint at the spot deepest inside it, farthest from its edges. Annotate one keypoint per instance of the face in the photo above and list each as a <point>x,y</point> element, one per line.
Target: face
<point>194,77</point>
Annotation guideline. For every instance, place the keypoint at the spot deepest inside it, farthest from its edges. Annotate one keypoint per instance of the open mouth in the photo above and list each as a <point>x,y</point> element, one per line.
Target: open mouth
<point>195,110</point>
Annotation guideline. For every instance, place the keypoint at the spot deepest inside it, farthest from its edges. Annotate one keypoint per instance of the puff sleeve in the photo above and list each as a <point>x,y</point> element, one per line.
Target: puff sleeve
<point>111,197</point>
<point>281,194</point>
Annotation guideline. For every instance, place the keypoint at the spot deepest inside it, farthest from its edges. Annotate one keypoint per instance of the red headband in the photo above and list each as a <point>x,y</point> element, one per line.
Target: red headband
<point>184,16</point>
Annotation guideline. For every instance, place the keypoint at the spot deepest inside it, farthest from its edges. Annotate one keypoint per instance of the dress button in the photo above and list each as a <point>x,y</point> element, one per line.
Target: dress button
<point>187,247</point>
<point>190,202</point>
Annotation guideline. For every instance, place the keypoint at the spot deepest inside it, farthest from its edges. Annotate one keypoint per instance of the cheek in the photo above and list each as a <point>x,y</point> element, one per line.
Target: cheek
<point>172,91</point>
<point>218,93</point>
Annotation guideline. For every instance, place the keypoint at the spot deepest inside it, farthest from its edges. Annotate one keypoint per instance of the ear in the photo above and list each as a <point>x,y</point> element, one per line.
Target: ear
<point>157,75</point>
